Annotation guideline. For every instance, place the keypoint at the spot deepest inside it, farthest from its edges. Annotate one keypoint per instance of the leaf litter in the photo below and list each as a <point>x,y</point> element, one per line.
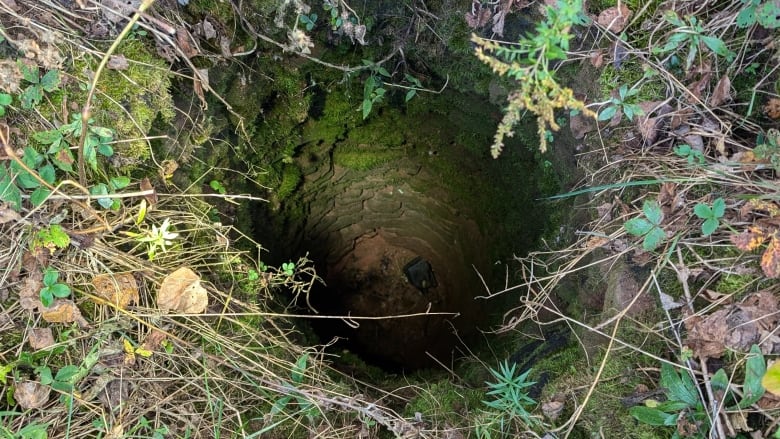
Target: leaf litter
<point>181,291</point>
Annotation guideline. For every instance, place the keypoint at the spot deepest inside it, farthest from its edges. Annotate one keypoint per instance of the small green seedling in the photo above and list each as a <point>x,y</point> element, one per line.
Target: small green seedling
<point>649,227</point>
<point>308,20</point>
<point>694,156</point>
<point>288,268</point>
<point>33,94</point>
<point>5,100</point>
<point>690,32</point>
<point>619,102</point>
<point>710,215</point>
<point>52,288</point>
<point>218,187</point>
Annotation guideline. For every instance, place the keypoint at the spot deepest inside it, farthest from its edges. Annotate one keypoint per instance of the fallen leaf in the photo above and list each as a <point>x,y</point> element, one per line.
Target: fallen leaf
<point>697,88</point>
<point>29,298</point>
<point>168,167</point>
<point>11,4</point>
<point>120,289</point>
<point>63,311</point>
<point>118,62</point>
<point>597,58</point>
<point>668,302</point>
<point>770,260</point>
<point>31,394</point>
<point>40,338</point>
<point>7,214</point>
<point>580,124</point>
<point>154,340</point>
<point>118,10</point>
<point>206,30</point>
<point>184,40</point>
<point>552,409</point>
<point>615,18</point>
<point>619,54</point>
<point>772,108</point>
<point>722,92</point>
<point>750,239</point>
<point>146,185</point>
<point>181,291</point>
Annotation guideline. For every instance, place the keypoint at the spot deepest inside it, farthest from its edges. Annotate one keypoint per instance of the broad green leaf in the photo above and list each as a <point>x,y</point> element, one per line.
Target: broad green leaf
<point>746,17</point>
<point>718,208</point>
<point>652,416</point>
<point>103,132</point>
<point>410,94</point>
<point>382,71</point>
<point>39,196</point>
<point>720,382</point>
<point>771,379</point>
<point>45,376</point>
<point>629,112</point>
<point>120,182</point>
<point>24,179</point>
<point>5,99</point>
<point>31,96</point>
<point>50,277</point>
<point>767,15</point>
<point>607,113</point>
<point>47,298</point>
<point>51,80</point>
<point>702,211</point>
<point>653,212</point>
<point>29,72</point>
<point>716,45</point>
<point>105,150</point>
<point>755,369</point>
<point>2,111</point>
<point>679,386</point>
<point>101,189</point>
<point>653,239</point>
<point>682,150</point>
<point>67,373</point>
<point>60,290</point>
<point>47,173</point>
<point>637,226</point>
<point>9,192</point>
<point>709,226</point>
<point>47,137</point>
<point>64,160</point>
<point>300,368</point>
<point>367,104</point>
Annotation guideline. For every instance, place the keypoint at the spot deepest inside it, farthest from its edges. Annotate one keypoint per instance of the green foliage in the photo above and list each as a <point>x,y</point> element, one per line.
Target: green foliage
<point>156,238</point>
<point>288,268</point>
<point>710,215</point>
<point>51,237</point>
<point>690,32</point>
<point>373,90</point>
<point>218,187</point>
<point>32,95</point>
<point>768,148</point>
<point>529,63</point>
<point>294,397</point>
<point>5,100</point>
<point>52,288</point>
<point>308,20</point>
<point>755,11</point>
<point>620,102</point>
<point>510,401</point>
<point>649,227</point>
<point>683,402</point>
<point>33,430</point>
<point>694,156</point>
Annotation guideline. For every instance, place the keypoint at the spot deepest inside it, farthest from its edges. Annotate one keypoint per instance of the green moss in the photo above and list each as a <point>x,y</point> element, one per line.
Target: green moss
<point>130,100</point>
<point>364,158</point>
<point>446,402</point>
<point>291,178</point>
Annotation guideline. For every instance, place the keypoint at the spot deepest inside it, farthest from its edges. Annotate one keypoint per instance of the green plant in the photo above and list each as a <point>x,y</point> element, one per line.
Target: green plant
<point>62,139</point>
<point>755,11</point>
<point>33,93</point>
<point>33,430</point>
<point>683,405</point>
<point>768,148</point>
<point>529,63</point>
<point>288,268</point>
<point>710,215</point>
<point>308,20</point>
<point>648,227</point>
<point>510,398</point>
<point>620,103</point>
<point>218,187</point>
<point>5,100</point>
<point>694,156</point>
<point>690,32</point>
<point>51,237</point>
<point>101,190</point>
<point>293,395</point>
<point>52,288</point>
<point>373,88</point>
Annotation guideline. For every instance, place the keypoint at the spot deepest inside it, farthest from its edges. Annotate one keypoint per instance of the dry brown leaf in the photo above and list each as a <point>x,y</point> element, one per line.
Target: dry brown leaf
<point>697,88</point>
<point>205,29</point>
<point>597,58</point>
<point>168,167</point>
<point>118,62</point>
<point>120,289</point>
<point>615,18</point>
<point>11,4</point>
<point>722,92</point>
<point>580,124</point>
<point>29,298</point>
<point>40,338</point>
<point>63,311</point>
<point>31,394</point>
<point>7,214</point>
<point>552,409</point>
<point>184,40</point>
<point>154,340</point>
<point>181,291</point>
<point>146,185</point>
<point>750,239</point>
<point>770,260</point>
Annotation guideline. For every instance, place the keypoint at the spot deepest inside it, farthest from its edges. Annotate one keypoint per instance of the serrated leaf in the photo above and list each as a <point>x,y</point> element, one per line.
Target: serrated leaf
<point>653,212</point>
<point>120,182</point>
<point>51,80</point>
<point>709,226</point>
<point>755,369</point>
<point>57,236</point>
<point>719,208</point>
<point>653,239</point>
<point>653,416</point>
<point>679,386</point>
<point>29,73</point>
<point>47,137</point>
<point>638,226</point>
<point>39,196</point>
<point>31,96</point>
<point>60,290</point>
